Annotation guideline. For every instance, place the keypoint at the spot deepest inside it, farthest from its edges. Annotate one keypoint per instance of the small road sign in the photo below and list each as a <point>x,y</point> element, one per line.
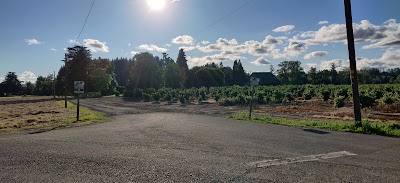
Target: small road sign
<point>79,87</point>
<point>254,81</point>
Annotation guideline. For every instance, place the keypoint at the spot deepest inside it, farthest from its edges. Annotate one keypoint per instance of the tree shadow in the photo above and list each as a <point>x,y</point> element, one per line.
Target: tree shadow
<point>316,131</point>
<point>26,101</point>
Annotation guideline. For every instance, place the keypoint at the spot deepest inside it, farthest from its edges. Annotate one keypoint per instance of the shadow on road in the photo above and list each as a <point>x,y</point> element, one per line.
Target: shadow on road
<point>316,131</point>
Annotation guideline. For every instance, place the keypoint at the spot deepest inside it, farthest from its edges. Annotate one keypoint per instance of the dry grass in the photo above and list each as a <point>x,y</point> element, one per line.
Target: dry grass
<point>36,113</point>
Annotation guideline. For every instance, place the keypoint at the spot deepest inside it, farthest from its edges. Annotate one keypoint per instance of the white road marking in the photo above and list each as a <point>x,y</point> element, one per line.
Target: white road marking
<point>274,162</point>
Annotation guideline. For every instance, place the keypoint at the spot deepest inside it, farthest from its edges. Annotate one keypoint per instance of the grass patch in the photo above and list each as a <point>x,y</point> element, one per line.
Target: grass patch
<point>367,127</point>
<point>85,114</point>
<point>87,117</point>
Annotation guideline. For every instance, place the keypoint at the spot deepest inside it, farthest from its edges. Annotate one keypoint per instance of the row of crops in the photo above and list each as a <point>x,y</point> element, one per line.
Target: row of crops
<point>370,95</point>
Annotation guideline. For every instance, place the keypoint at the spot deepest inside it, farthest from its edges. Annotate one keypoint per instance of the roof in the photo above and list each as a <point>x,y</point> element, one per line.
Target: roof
<point>266,78</point>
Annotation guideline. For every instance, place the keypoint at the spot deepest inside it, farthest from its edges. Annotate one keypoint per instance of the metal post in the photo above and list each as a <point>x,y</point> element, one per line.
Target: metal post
<point>65,80</point>
<point>251,100</point>
<point>77,108</point>
<point>352,59</point>
<point>54,84</point>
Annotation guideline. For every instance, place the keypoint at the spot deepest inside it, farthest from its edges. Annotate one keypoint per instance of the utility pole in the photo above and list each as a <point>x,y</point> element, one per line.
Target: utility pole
<point>353,66</point>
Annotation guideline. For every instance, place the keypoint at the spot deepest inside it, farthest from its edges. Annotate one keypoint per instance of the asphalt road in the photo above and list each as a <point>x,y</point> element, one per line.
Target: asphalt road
<point>170,147</point>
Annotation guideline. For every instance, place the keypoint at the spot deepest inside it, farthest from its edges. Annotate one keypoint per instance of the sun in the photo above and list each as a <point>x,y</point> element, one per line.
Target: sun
<point>156,4</point>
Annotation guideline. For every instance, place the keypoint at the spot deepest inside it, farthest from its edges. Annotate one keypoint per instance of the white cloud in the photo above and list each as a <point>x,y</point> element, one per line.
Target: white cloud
<point>308,34</point>
<point>261,62</point>
<point>266,48</point>
<point>27,76</point>
<point>339,63</point>
<point>323,22</point>
<point>53,49</point>
<point>129,44</point>
<point>312,65</point>
<point>32,42</point>
<point>390,35</point>
<point>385,35</point>
<point>95,45</point>
<point>187,48</point>
<point>167,45</point>
<point>284,28</point>
<point>175,1</point>
<point>216,58</point>
<point>133,53</point>
<point>295,48</point>
<point>152,48</point>
<point>205,42</point>
<point>1,79</point>
<point>73,41</point>
<point>185,39</point>
<point>389,59</point>
<point>316,54</point>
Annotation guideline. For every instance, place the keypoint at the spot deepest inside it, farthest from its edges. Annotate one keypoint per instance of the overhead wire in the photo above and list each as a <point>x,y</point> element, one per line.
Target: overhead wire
<point>225,16</point>
<point>84,24</point>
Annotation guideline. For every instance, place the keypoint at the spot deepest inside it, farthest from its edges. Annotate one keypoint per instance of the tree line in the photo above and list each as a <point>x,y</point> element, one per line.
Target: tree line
<point>107,77</point>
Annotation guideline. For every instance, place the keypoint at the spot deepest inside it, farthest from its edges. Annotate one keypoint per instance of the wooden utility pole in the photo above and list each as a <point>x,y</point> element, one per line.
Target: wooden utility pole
<point>352,59</point>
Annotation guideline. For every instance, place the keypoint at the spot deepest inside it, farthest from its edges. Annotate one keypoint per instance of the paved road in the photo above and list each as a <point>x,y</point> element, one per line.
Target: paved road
<point>169,147</point>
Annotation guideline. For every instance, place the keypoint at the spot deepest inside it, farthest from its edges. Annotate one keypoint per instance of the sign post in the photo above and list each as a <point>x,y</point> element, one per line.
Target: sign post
<point>253,82</point>
<point>79,88</point>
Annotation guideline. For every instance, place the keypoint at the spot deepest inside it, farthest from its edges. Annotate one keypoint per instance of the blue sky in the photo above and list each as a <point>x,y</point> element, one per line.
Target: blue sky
<point>258,32</point>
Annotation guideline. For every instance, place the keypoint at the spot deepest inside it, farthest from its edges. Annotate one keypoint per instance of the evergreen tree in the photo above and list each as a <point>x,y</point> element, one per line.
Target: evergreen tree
<point>334,74</point>
<point>11,84</point>
<point>239,75</point>
<point>182,62</point>
<point>312,76</point>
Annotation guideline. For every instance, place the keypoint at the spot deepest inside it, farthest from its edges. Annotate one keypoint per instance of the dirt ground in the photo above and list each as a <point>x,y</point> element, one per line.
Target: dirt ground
<point>314,109</point>
<point>39,112</point>
<point>20,112</point>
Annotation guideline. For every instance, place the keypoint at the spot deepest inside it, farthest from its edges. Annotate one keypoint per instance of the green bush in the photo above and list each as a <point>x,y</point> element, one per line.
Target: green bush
<point>387,100</point>
<point>289,96</point>
<point>325,94</point>
<point>307,96</point>
<point>93,94</point>
<point>182,99</point>
<point>120,89</point>
<point>342,92</point>
<point>167,97</point>
<point>367,101</point>
<point>228,101</point>
<point>156,96</point>
<point>278,96</point>
<point>217,97</point>
<point>146,97</point>
<point>339,101</point>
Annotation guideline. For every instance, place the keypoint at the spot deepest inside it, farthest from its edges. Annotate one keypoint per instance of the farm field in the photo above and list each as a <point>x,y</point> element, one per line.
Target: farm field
<point>380,103</point>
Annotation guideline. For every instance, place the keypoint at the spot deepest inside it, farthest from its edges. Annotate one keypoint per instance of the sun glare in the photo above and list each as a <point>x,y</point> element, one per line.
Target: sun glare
<point>156,4</point>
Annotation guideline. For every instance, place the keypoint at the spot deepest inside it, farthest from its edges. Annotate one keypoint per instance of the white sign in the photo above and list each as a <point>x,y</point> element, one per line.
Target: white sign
<point>254,81</point>
<point>79,87</point>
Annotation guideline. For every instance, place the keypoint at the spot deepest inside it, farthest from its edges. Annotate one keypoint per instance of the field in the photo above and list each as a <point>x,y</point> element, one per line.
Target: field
<point>380,103</point>
<point>314,103</point>
<point>34,114</point>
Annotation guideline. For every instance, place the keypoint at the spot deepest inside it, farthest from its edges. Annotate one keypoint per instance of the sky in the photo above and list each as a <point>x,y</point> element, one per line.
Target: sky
<point>260,33</point>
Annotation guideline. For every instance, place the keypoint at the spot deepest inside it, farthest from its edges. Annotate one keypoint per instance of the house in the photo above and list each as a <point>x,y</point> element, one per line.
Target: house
<point>266,78</point>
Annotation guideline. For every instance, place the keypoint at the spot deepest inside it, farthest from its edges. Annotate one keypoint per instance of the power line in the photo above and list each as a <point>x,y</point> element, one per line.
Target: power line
<point>84,24</point>
<point>222,18</point>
